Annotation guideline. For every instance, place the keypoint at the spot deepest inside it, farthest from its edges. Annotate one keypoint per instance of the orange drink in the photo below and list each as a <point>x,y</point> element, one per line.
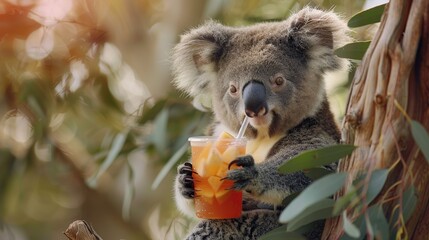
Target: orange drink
<point>210,159</point>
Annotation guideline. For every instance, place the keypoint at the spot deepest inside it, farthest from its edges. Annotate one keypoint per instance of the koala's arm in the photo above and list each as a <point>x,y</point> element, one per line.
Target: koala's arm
<point>264,182</point>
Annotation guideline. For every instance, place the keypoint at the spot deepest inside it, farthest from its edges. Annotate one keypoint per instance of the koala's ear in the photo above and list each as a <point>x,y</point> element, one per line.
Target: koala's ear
<point>318,33</point>
<point>196,57</point>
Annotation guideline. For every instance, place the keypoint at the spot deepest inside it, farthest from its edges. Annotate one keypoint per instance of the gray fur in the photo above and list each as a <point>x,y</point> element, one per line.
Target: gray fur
<point>299,50</point>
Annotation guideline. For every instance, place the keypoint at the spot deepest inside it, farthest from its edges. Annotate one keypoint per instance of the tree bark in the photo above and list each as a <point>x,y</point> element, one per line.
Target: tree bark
<point>394,74</point>
<point>81,230</point>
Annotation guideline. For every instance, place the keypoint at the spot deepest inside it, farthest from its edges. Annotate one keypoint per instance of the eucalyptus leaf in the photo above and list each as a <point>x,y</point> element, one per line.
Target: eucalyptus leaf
<point>421,137</point>
<point>355,50</point>
<point>149,113</point>
<point>320,210</point>
<point>290,198</point>
<point>280,233</point>
<point>349,228</point>
<point>35,95</point>
<point>36,106</point>
<point>369,228</point>
<point>409,201</point>
<point>129,193</point>
<point>159,135</point>
<point>308,227</point>
<point>169,165</point>
<point>316,173</point>
<point>316,158</point>
<point>343,201</point>
<point>318,190</point>
<point>369,16</point>
<point>378,222</point>
<point>376,183</point>
<point>7,164</point>
<point>117,144</point>
<point>360,224</point>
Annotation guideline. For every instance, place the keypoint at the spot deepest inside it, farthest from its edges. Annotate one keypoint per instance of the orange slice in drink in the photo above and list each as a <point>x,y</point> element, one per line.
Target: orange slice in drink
<point>224,191</point>
<point>215,182</point>
<point>207,196</point>
<point>205,191</point>
<point>230,154</point>
<point>222,170</point>
<point>203,154</point>
<point>212,164</point>
<point>221,146</point>
<point>200,168</point>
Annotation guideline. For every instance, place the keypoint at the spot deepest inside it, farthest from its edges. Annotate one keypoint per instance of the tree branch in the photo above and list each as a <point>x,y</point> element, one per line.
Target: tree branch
<point>81,230</point>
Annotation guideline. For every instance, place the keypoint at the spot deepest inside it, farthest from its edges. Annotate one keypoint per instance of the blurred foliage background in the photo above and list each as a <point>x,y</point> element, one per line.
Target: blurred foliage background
<point>90,126</point>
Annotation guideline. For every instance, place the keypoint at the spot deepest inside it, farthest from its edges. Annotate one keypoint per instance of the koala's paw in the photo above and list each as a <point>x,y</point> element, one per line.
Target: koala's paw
<point>242,177</point>
<point>186,182</point>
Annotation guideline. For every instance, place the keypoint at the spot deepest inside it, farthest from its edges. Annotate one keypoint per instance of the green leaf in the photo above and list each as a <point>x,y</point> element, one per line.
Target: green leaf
<point>129,193</point>
<point>316,173</point>
<point>378,222</point>
<point>369,16</point>
<point>360,223</point>
<point>355,50</point>
<point>320,210</point>
<point>169,165</point>
<point>314,193</point>
<point>369,228</point>
<point>118,143</point>
<point>316,158</point>
<point>421,137</point>
<point>280,233</point>
<point>159,135</point>
<point>150,113</point>
<point>36,106</point>
<point>8,168</point>
<point>343,201</point>
<point>349,228</point>
<point>308,227</point>
<point>409,201</point>
<point>290,198</point>
<point>376,183</point>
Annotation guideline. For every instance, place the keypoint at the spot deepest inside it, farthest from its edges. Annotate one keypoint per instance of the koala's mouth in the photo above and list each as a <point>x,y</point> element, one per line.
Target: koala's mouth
<point>266,125</point>
<point>261,122</point>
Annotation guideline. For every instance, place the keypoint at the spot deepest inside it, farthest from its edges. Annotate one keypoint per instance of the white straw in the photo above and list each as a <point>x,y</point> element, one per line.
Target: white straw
<point>243,127</point>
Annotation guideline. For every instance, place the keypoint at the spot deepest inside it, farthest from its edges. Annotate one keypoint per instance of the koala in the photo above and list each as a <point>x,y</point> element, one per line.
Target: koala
<point>274,74</point>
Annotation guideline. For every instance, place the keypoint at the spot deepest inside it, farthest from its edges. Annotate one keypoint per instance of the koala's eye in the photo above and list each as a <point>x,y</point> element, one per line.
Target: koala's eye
<point>232,89</point>
<point>279,81</point>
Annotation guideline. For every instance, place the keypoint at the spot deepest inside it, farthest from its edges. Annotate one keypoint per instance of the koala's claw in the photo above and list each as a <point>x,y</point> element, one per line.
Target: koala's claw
<point>186,186</point>
<point>242,177</point>
<point>245,161</point>
<point>186,168</point>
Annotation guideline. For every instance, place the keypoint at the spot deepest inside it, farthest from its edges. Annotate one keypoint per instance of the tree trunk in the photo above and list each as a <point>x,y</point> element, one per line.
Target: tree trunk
<point>394,74</point>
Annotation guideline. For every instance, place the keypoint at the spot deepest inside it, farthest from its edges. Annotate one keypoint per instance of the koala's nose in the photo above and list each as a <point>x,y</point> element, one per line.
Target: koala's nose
<point>255,99</point>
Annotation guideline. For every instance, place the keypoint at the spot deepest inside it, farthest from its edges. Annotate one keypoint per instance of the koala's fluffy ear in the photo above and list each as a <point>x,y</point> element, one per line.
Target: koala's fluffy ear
<point>318,33</point>
<point>195,58</point>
